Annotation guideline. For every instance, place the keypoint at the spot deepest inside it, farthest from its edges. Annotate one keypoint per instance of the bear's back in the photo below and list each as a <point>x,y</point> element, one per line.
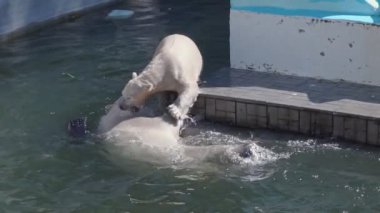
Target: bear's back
<point>182,53</point>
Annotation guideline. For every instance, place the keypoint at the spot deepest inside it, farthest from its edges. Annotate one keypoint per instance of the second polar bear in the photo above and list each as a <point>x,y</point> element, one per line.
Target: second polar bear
<point>176,66</point>
<point>157,140</point>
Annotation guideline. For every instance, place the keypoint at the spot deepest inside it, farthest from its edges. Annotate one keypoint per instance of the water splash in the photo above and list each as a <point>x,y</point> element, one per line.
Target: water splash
<point>311,145</point>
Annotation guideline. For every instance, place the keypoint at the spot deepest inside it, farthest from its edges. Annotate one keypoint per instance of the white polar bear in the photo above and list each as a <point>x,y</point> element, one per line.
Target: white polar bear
<point>115,115</point>
<point>176,66</point>
<point>156,140</point>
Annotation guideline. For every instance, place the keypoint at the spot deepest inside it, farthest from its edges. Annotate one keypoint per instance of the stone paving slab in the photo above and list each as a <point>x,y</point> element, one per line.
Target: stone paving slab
<point>297,92</point>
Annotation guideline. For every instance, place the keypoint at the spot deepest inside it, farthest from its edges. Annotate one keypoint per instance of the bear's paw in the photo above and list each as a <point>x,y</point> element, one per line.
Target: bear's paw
<point>175,112</point>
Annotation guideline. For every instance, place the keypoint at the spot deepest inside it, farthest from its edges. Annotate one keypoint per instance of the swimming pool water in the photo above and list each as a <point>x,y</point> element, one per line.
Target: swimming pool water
<point>77,68</point>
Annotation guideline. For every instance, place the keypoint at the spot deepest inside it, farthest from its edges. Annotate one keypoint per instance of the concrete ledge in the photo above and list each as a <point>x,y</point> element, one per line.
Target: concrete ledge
<point>262,102</point>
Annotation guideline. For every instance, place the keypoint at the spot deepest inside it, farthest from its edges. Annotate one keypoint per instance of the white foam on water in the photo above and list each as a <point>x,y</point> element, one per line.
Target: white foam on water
<point>191,177</point>
<point>311,145</point>
<point>259,165</point>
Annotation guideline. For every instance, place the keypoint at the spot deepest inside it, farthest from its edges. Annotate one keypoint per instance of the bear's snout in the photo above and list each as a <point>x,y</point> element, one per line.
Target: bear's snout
<point>123,106</point>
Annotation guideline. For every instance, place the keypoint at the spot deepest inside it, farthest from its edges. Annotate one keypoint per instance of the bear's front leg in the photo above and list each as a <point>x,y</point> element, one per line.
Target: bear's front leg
<point>165,99</point>
<point>183,103</point>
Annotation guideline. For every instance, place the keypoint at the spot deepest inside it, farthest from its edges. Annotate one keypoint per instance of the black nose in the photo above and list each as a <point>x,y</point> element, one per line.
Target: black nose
<point>122,106</point>
<point>125,107</point>
<point>135,109</point>
<point>246,152</point>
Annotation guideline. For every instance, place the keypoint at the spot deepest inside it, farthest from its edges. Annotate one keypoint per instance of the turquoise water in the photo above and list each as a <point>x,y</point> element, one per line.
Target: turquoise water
<point>75,69</point>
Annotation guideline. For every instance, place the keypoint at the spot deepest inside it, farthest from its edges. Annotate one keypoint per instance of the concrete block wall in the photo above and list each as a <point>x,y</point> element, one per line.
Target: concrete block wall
<point>291,119</point>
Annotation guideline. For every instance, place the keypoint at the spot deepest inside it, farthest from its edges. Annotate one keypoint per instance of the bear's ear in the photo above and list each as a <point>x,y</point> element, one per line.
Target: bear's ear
<point>134,75</point>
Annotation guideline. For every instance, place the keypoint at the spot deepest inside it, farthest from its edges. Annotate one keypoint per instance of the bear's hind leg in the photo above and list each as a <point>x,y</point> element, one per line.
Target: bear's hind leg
<point>184,102</point>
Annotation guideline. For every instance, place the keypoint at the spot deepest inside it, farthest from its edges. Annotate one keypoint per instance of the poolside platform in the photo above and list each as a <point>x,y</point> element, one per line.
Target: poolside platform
<point>308,106</point>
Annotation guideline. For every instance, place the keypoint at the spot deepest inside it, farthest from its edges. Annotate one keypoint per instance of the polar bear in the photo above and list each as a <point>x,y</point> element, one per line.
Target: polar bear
<point>156,140</point>
<point>176,66</point>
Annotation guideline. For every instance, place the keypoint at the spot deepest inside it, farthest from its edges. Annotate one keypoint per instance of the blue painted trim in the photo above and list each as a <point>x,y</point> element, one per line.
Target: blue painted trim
<point>311,13</point>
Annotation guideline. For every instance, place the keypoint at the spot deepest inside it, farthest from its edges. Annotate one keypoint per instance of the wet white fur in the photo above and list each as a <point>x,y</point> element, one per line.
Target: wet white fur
<point>175,66</point>
<point>154,140</point>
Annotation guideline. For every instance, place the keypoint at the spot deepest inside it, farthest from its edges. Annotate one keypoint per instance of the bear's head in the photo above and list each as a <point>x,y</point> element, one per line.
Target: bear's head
<point>135,93</point>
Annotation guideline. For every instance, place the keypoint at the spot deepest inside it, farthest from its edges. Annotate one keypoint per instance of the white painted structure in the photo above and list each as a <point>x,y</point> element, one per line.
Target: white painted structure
<point>18,14</point>
<point>305,46</point>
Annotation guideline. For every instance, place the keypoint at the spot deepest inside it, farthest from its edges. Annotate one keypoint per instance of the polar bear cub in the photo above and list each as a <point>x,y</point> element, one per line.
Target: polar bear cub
<point>176,66</point>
